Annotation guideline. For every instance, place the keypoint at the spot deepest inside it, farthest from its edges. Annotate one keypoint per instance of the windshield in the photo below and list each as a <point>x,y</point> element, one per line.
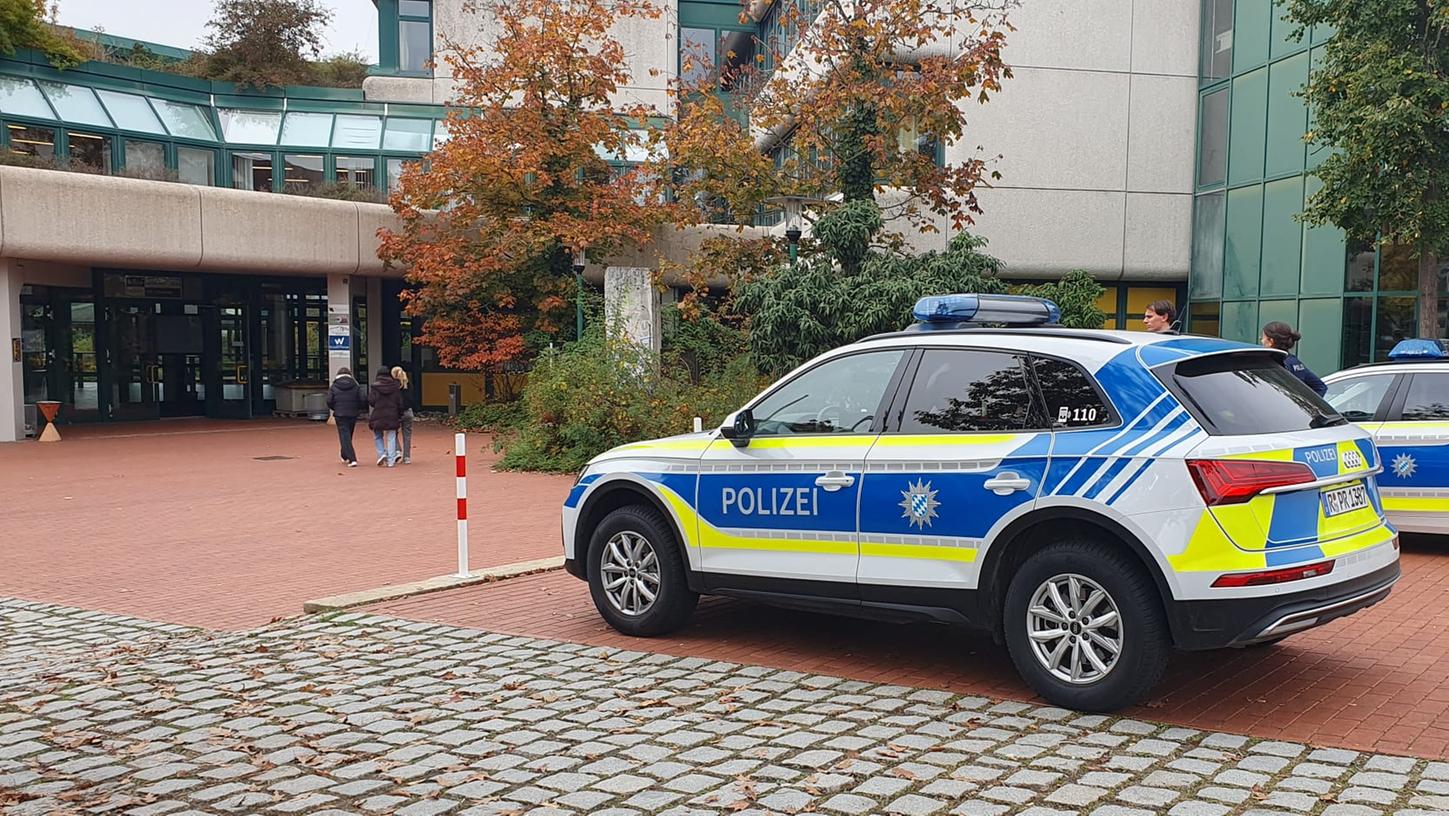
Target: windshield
<point>1246,393</point>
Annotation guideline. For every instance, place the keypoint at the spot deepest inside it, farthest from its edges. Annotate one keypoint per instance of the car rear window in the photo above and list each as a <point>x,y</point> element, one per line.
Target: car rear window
<point>1246,393</point>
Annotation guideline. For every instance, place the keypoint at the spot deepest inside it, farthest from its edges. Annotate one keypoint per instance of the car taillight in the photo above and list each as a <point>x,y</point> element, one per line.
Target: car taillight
<point>1278,576</point>
<point>1231,481</point>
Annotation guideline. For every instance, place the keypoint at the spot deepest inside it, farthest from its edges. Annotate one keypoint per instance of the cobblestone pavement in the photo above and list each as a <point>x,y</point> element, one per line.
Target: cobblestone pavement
<point>367,714</point>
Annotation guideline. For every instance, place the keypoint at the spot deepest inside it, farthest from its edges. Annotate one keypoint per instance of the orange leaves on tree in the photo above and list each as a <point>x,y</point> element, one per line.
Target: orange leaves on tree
<point>532,173</point>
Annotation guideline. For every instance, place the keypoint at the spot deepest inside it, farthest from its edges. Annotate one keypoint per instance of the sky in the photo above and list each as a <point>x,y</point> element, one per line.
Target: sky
<point>182,23</point>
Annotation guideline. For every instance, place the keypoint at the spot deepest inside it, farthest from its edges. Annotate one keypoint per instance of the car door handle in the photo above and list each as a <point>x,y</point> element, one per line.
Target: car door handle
<point>1006,483</point>
<point>834,480</point>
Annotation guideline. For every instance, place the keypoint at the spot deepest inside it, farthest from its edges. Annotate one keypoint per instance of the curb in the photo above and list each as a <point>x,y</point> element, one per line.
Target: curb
<point>347,600</point>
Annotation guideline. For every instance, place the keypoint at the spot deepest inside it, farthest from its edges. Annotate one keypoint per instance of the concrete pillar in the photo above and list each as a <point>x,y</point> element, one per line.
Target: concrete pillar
<point>339,326</point>
<point>376,354</point>
<point>12,383</point>
<point>631,305</point>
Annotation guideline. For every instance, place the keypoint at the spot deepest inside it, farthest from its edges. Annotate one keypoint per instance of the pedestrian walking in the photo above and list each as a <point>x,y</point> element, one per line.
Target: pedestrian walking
<point>1160,317</point>
<point>406,429</point>
<point>1280,335</point>
<point>345,401</point>
<point>385,397</point>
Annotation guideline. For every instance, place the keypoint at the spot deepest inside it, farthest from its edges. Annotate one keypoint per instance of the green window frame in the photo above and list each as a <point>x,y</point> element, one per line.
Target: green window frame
<point>414,15</point>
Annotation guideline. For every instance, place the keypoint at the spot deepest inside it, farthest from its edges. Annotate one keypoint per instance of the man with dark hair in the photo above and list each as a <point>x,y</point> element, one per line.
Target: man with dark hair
<point>1160,317</point>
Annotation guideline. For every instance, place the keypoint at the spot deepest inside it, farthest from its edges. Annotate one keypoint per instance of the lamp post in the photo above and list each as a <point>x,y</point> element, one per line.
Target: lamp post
<point>579,295</point>
<point>794,207</point>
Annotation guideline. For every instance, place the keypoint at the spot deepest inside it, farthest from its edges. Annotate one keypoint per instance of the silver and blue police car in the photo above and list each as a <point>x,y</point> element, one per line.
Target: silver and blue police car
<point>1093,498</point>
<point>1404,404</point>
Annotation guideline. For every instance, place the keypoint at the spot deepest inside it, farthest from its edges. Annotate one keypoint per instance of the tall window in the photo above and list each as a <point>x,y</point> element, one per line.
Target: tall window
<point>414,35</point>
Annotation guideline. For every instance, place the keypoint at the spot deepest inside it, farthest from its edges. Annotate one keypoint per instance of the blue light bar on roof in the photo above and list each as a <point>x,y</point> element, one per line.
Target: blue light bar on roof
<point>1419,350</point>
<point>1007,310</point>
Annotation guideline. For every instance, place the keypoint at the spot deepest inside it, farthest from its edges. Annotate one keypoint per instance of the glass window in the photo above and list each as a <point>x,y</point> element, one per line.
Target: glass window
<point>1205,318</point>
<point>1247,130</point>
<point>1243,250</point>
<point>307,129</point>
<point>357,132</point>
<point>394,173</point>
<point>415,45</point>
<point>1358,398</point>
<point>1398,268</point>
<point>250,127</point>
<point>1252,31</point>
<point>737,60</point>
<point>251,171</point>
<point>1217,46</point>
<point>1246,393</point>
<point>1212,159</point>
<point>696,56</point>
<point>1428,397</point>
<point>145,159</point>
<point>1240,321</point>
<point>185,121</point>
<point>1072,401</point>
<point>20,97</point>
<point>414,8</point>
<point>1320,319</point>
<point>1358,320</point>
<point>356,171</point>
<point>408,134</point>
<point>131,112</point>
<point>441,133</point>
<point>1360,277</point>
<point>838,396</point>
<point>302,172</point>
<point>196,165</point>
<point>32,141</point>
<point>960,391</point>
<point>1207,245</point>
<point>1396,319</point>
<point>89,149</point>
<point>1287,115</point>
<point>1282,237</point>
<point>76,104</point>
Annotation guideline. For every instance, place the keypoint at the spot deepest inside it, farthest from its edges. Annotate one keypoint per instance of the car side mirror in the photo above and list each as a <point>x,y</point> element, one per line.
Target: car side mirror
<point>740,431</point>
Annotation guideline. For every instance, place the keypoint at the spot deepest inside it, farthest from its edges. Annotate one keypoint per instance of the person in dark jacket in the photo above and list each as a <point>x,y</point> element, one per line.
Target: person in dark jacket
<point>345,400</point>
<point>1280,335</point>
<point>385,397</point>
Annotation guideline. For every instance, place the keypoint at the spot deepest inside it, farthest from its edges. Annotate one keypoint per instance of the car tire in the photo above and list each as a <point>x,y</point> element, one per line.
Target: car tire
<point>1039,591</point>
<point>632,553</point>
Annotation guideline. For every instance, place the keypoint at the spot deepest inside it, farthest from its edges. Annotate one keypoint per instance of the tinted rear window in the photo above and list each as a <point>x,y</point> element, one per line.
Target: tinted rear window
<point>1246,393</point>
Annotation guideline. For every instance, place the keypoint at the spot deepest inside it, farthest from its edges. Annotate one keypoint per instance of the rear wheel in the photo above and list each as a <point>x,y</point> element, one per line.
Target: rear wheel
<point>636,574</point>
<point>1084,626</point>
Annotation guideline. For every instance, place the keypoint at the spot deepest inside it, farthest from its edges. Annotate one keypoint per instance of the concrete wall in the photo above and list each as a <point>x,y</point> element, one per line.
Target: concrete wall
<point>47,215</point>
<point>650,45</point>
<point>1096,134</point>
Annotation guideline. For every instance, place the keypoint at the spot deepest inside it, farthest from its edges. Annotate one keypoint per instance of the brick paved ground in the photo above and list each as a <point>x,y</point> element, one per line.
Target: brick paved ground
<point>1374,681</point>
<point>180,521</point>
<point>362,714</point>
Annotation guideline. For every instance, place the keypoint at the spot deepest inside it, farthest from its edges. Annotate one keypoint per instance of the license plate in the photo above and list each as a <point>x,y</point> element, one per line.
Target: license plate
<point>1344,500</point>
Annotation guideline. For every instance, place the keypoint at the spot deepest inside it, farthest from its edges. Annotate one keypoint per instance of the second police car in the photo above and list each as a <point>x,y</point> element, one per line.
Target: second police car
<point>1404,404</point>
<point>1093,498</point>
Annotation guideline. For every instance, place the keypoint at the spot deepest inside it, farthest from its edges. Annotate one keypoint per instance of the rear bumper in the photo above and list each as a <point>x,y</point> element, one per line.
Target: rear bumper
<point>1243,621</point>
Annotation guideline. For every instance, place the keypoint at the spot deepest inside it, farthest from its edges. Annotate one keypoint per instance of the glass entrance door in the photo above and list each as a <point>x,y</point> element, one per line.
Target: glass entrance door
<point>234,363</point>
<point>135,368</point>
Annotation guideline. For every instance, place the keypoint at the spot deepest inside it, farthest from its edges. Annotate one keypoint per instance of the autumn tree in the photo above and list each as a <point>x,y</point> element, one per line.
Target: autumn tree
<point>857,97</point>
<point>1380,101</point>
<point>28,24</point>
<point>531,176</point>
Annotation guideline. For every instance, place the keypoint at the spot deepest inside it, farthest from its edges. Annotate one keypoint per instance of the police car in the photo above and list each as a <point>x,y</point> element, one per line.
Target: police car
<point>1094,498</point>
<point>1404,404</point>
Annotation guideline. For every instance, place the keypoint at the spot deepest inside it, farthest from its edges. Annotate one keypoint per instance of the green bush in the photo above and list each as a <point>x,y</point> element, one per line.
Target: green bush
<point>593,396</point>
<point>491,417</point>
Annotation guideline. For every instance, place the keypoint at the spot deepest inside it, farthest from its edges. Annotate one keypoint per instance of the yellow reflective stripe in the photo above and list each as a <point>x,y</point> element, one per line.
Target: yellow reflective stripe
<point>911,440</point>
<point>1209,550</point>
<point>1416,505</point>
<point>924,552</point>
<point>713,539</point>
<point>1421,427</point>
<point>688,518</point>
<point>807,441</point>
<point>1343,546</point>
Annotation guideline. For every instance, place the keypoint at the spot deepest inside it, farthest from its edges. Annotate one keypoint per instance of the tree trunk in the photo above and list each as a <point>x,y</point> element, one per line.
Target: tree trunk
<point>1428,293</point>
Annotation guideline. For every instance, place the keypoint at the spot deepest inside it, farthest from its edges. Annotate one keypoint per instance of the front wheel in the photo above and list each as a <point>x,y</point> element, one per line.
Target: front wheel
<point>637,575</point>
<point>1084,626</point>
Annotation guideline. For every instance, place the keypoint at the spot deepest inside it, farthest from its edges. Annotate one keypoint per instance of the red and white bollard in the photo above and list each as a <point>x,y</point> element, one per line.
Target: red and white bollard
<point>460,456</point>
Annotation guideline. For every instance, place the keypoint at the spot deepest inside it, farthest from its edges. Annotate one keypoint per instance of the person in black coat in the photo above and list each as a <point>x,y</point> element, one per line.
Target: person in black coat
<point>385,397</point>
<point>1280,335</point>
<point>345,400</point>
